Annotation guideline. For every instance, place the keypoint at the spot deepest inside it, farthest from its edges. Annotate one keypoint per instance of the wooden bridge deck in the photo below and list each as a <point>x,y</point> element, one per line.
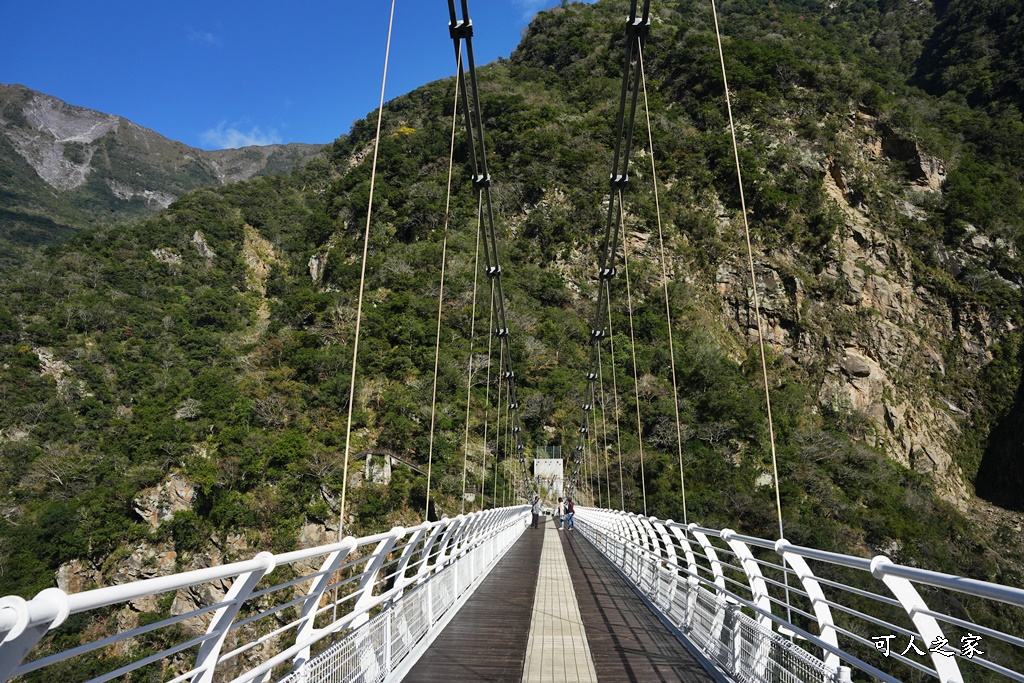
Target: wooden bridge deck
<point>488,639</point>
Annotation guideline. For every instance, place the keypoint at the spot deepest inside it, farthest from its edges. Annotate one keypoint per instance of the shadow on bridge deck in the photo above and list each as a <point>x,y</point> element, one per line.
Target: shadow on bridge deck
<point>487,639</point>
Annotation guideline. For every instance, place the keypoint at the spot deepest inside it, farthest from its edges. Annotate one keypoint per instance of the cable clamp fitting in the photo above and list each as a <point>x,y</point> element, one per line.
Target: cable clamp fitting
<point>481,181</point>
<point>619,181</point>
<point>607,274</point>
<point>460,29</point>
<point>638,28</point>
<point>493,271</point>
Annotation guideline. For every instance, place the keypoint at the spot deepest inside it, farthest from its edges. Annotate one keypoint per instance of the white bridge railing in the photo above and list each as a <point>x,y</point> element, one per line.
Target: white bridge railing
<point>757,611</point>
<point>361,606</point>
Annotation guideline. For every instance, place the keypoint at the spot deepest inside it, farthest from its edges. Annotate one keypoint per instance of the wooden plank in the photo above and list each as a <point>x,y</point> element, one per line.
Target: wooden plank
<point>627,641</point>
<point>486,641</point>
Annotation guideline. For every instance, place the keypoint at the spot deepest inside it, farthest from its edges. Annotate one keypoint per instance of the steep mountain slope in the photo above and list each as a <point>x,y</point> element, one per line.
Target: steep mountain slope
<point>977,52</point>
<point>64,168</point>
<point>213,343</point>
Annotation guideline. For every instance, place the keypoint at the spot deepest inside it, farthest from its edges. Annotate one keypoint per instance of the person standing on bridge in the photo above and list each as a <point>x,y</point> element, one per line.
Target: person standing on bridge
<point>570,511</point>
<point>561,514</point>
<point>535,510</point>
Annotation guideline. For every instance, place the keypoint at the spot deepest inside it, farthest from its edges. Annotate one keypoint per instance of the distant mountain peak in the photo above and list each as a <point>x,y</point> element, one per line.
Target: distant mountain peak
<point>66,167</point>
<point>53,125</point>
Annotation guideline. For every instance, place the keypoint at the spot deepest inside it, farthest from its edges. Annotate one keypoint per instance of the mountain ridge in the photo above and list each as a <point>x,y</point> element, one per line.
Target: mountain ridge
<point>64,168</point>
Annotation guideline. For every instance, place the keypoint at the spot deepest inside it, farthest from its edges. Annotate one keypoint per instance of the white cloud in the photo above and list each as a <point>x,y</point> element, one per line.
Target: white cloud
<point>531,7</point>
<point>229,137</point>
<point>204,37</point>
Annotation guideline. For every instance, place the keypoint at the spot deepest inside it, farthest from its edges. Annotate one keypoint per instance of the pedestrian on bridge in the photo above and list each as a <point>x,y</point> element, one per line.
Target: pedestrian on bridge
<point>535,510</point>
<point>561,514</point>
<point>570,510</point>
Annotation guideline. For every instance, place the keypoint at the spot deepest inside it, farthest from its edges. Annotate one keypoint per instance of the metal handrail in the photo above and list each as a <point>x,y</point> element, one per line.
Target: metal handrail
<point>623,537</point>
<point>397,562</point>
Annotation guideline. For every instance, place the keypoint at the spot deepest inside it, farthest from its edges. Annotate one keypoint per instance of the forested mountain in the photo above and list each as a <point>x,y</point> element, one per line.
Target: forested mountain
<point>207,350</point>
<point>65,168</point>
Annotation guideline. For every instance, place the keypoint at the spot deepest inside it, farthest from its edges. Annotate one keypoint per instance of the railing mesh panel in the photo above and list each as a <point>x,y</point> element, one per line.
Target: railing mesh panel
<point>736,643</point>
<point>369,653</point>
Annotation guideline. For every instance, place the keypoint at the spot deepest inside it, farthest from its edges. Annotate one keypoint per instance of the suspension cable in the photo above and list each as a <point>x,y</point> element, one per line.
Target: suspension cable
<point>753,288</point>
<point>362,280</point>
<point>469,376</point>
<point>664,283</point>
<point>753,278</point>
<point>615,397</point>
<point>497,425</point>
<point>440,297</point>
<point>587,467</point>
<point>636,372</point>
<point>487,392</point>
<point>604,430</point>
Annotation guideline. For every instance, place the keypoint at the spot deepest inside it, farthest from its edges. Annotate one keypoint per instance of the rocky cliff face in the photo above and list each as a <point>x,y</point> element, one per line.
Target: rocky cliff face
<point>58,141</point>
<point>880,347</point>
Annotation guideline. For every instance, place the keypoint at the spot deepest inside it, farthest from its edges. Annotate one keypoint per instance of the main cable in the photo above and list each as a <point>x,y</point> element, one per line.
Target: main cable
<point>637,29</point>
<point>461,30</point>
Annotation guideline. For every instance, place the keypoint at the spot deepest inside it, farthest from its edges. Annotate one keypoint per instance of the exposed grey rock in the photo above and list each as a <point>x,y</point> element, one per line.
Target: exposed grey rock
<point>167,256</point>
<point>202,247</point>
<point>158,504</point>
<point>54,124</point>
<point>317,262</point>
<point>76,576</point>
<point>856,364</point>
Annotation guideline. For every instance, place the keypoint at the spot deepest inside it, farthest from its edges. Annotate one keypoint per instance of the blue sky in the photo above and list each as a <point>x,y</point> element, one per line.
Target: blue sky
<point>227,74</point>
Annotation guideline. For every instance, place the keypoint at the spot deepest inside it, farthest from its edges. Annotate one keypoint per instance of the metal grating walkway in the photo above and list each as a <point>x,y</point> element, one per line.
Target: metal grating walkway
<point>519,626</point>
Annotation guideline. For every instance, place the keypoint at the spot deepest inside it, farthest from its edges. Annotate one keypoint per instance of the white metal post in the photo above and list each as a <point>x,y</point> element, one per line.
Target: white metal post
<point>48,609</point>
<point>758,588</point>
<point>369,579</point>
<point>401,580</point>
<point>307,618</point>
<point>241,587</point>
<point>823,613</point>
<point>691,580</point>
<point>719,579</point>
<point>927,626</point>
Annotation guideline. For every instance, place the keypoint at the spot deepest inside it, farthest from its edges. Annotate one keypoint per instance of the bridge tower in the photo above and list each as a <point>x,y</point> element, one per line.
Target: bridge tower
<point>548,470</point>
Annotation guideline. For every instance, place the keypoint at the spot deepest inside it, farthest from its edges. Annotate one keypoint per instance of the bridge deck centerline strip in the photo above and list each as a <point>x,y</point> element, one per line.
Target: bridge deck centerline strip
<point>557,649</point>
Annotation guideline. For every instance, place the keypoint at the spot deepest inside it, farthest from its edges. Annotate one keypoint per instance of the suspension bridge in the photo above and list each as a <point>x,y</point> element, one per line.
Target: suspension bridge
<point>613,596</point>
